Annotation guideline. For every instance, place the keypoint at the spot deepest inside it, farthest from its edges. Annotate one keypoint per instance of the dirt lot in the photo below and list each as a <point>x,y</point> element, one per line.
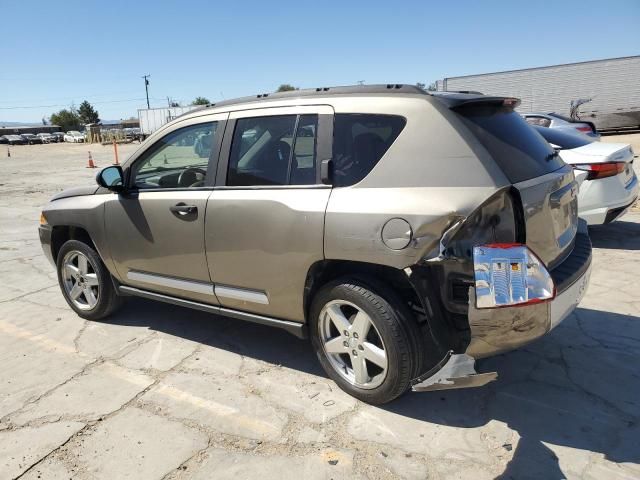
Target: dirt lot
<point>163,392</point>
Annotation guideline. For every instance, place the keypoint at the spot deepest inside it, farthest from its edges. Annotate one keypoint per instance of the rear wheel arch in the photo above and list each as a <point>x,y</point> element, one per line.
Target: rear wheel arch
<point>325,271</point>
<point>391,282</point>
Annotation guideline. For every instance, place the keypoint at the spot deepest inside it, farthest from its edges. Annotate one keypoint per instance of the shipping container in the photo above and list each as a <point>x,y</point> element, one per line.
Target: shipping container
<point>151,119</point>
<point>612,87</point>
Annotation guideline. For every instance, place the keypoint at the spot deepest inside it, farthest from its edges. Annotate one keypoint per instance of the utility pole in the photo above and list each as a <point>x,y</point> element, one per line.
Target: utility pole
<point>146,87</point>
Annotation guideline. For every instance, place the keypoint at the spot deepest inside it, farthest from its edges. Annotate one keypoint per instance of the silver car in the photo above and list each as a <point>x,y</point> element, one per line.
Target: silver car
<point>405,233</point>
<point>562,123</point>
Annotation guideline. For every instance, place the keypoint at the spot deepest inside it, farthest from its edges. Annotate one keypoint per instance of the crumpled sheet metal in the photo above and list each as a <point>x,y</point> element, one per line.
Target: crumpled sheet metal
<point>454,371</point>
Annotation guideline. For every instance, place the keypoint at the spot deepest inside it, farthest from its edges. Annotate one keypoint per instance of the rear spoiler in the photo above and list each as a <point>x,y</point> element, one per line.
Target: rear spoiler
<point>460,100</point>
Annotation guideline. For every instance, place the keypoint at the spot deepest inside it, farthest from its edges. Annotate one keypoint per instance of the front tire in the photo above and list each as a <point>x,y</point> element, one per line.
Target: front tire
<point>365,338</point>
<point>85,282</point>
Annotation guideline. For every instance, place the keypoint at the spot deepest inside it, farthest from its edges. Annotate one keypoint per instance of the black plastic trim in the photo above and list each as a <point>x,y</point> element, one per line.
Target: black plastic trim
<point>615,212</point>
<point>295,328</point>
<point>575,265</point>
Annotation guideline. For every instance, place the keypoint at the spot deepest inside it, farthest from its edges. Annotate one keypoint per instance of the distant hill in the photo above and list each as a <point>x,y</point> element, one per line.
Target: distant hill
<point>5,124</point>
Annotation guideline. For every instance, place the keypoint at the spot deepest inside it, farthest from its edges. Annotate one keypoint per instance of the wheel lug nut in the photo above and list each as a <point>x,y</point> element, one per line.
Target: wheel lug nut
<point>360,347</point>
<point>355,354</point>
<point>355,335</point>
<point>346,332</point>
<point>345,343</point>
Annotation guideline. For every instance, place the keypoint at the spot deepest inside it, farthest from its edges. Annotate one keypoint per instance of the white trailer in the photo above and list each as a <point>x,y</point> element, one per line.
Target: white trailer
<point>612,85</point>
<point>151,119</point>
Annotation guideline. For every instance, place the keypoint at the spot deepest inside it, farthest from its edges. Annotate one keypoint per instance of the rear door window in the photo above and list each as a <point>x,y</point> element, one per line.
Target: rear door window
<point>359,142</point>
<point>274,150</point>
<point>520,151</point>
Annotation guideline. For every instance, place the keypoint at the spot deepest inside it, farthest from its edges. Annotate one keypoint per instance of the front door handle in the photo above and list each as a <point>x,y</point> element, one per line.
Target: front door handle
<point>183,209</point>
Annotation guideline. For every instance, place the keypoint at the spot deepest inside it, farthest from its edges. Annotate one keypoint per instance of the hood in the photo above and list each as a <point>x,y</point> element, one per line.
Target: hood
<point>598,152</point>
<point>76,192</point>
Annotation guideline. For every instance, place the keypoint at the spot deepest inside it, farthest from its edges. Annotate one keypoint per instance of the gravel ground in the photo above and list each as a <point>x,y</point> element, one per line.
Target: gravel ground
<point>163,392</point>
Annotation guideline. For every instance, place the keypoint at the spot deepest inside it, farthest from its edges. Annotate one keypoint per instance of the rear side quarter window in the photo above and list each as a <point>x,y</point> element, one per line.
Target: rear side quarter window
<point>359,142</point>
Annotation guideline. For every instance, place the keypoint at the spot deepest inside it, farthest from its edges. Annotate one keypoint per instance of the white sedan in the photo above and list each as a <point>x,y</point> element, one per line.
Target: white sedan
<point>604,171</point>
<point>74,136</point>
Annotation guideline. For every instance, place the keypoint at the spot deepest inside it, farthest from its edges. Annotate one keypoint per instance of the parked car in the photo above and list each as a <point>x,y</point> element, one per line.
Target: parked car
<point>3,140</point>
<point>59,136</point>
<point>15,140</point>
<point>604,171</point>
<point>132,133</point>
<point>404,256</point>
<point>74,136</point>
<point>47,138</point>
<point>30,138</point>
<point>562,123</point>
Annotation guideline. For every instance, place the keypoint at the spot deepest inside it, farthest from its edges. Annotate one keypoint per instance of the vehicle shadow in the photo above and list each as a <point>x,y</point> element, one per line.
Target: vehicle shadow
<point>617,235</point>
<point>244,338</point>
<point>577,387</point>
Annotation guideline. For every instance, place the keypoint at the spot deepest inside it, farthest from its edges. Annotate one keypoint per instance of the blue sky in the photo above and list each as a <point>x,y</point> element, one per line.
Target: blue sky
<point>56,53</point>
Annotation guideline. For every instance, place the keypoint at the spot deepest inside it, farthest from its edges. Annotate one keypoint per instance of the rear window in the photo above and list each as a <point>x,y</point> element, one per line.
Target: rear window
<point>359,142</point>
<point>566,141</point>
<point>520,151</point>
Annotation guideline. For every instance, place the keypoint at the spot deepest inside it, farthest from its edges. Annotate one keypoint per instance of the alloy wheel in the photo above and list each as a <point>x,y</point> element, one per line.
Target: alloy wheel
<point>352,344</point>
<point>80,280</point>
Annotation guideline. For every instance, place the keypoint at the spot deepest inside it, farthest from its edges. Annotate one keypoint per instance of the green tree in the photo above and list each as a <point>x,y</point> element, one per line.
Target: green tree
<point>285,87</point>
<point>421,85</point>
<point>432,87</point>
<point>67,119</point>
<point>201,101</point>
<point>87,114</point>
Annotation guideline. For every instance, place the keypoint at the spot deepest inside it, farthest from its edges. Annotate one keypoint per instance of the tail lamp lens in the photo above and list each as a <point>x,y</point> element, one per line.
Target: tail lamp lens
<point>601,170</point>
<point>584,129</point>
<point>508,274</point>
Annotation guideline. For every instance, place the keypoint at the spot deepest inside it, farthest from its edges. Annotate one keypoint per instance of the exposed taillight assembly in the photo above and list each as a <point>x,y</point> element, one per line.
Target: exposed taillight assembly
<point>584,129</point>
<point>601,170</point>
<point>509,274</point>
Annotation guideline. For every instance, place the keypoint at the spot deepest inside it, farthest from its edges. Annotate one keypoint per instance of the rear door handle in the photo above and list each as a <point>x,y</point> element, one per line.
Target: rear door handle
<point>183,209</point>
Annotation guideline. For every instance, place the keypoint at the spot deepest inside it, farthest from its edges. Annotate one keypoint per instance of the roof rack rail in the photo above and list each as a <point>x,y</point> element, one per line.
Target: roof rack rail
<point>339,90</point>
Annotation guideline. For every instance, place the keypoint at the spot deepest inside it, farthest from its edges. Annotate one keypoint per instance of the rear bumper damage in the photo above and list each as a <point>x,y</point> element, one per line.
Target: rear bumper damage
<point>454,371</point>
<point>497,330</point>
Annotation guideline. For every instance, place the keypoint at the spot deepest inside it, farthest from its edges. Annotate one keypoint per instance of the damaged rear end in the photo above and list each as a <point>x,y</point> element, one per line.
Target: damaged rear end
<point>519,264</point>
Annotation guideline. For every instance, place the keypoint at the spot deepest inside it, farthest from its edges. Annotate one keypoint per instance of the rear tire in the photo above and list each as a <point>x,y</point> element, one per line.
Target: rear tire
<point>366,339</point>
<point>85,282</point>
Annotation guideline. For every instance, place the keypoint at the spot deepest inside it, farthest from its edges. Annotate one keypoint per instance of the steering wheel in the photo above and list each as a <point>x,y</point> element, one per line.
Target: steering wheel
<point>189,177</point>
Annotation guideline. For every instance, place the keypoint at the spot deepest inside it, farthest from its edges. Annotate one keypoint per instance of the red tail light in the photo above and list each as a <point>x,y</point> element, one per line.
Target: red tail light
<point>584,129</point>
<point>601,170</point>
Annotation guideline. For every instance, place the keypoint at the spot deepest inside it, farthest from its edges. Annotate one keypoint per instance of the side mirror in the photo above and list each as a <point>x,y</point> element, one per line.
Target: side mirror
<point>111,178</point>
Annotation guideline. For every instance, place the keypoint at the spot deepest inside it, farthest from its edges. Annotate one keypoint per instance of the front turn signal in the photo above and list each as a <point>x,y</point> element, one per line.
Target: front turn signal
<point>43,219</point>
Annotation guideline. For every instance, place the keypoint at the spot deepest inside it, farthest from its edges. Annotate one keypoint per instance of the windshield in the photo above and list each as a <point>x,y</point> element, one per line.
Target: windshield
<point>520,152</point>
<point>566,141</point>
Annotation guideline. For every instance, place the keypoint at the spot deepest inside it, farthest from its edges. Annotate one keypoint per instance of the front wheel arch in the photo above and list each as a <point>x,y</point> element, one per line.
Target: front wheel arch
<point>62,233</point>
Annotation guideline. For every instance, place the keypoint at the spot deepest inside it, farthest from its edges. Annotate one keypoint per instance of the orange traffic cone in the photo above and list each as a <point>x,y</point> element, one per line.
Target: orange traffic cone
<point>91,164</point>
